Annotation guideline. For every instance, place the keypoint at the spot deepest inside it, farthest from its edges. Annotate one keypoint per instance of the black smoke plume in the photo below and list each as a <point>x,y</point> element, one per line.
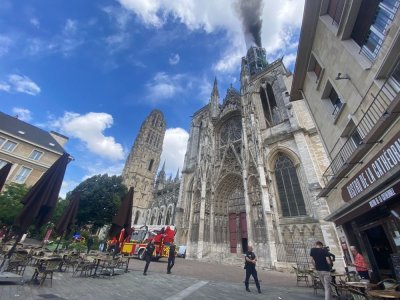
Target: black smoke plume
<point>250,13</point>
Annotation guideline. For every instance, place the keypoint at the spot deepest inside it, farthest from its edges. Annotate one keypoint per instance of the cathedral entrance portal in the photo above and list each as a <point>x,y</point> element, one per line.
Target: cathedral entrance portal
<point>230,206</point>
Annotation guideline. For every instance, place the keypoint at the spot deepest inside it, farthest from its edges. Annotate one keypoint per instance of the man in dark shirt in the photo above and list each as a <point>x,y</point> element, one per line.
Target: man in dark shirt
<point>148,255</point>
<point>250,266</point>
<point>322,265</point>
<point>171,258</point>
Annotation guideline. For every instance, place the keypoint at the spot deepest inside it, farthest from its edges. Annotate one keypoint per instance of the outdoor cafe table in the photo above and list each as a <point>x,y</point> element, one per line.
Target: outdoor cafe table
<point>361,285</point>
<point>99,259</point>
<point>384,294</point>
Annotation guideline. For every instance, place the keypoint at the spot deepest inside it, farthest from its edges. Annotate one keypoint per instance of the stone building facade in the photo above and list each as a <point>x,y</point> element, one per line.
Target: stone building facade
<point>348,72</point>
<point>142,163</point>
<point>252,173</point>
<point>31,150</point>
<point>165,196</point>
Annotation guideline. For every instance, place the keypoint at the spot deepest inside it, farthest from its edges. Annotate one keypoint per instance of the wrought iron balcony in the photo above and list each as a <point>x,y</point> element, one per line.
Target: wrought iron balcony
<point>380,114</point>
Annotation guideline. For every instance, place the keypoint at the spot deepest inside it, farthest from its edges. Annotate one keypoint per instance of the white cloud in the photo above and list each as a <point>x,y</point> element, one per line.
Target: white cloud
<point>174,149</point>
<point>101,167</point>
<point>119,14</point>
<point>5,44</point>
<point>89,128</point>
<point>21,84</point>
<point>211,16</point>
<point>35,22</point>
<point>174,59</point>
<point>289,59</point>
<point>164,86</point>
<point>23,113</point>
<point>66,186</point>
<point>4,86</point>
<point>65,42</point>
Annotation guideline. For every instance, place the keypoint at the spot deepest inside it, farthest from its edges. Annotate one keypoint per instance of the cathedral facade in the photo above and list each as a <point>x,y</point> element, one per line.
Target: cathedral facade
<point>142,164</point>
<point>252,173</point>
<point>165,196</point>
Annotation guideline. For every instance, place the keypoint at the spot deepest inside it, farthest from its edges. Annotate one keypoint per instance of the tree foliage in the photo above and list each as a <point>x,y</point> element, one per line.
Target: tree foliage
<point>100,198</point>
<point>10,202</point>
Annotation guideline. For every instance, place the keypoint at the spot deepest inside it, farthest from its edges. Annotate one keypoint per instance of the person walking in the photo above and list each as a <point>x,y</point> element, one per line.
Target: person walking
<point>171,258</point>
<point>250,266</point>
<point>89,243</point>
<point>360,263</point>
<point>322,264</point>
<point>148,255</point>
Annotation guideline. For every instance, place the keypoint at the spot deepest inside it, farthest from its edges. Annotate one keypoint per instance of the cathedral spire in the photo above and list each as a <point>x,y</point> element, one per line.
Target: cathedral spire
<point>176,176</point>
<point>214,100</point>
<point>161,175</point>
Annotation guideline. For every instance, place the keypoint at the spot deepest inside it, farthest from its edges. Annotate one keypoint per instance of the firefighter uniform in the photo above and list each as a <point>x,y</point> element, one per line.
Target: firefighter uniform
<point>251,270</point>
<point>148,255</point>
<point>171,258</point>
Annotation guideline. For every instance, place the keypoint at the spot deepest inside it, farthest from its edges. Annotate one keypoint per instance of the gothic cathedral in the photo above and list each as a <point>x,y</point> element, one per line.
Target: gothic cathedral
<point>252,173</point>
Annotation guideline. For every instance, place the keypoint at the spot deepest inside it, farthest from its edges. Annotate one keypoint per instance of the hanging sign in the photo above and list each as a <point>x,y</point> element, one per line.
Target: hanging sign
<point>383,162</point>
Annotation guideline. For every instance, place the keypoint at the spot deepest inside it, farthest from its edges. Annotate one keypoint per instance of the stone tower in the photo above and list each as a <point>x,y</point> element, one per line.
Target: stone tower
<point>142,163</point>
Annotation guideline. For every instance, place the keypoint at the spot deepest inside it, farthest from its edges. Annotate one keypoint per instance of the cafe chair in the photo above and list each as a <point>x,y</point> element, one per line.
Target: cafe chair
<point>357,295</point>
<point>316,283</point>
<point>301,276</point>
<point>46,270</point>
<point>388,284</point>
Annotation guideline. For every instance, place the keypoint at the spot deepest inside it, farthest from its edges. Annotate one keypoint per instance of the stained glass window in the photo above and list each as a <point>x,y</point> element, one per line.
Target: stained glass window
<point>290,195</point>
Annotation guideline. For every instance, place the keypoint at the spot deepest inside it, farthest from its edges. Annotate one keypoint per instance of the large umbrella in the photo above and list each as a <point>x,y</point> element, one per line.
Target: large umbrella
<point>4,171</point>
<point>123,219</point>
<point>40,201</point>
<point>67,219</point>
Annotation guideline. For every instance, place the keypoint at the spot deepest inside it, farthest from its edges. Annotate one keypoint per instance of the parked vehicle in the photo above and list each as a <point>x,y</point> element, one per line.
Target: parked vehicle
<point>135,243</point>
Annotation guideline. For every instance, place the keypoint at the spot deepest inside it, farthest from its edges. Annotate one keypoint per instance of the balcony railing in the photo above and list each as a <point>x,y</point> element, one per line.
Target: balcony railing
<point>377,110</point>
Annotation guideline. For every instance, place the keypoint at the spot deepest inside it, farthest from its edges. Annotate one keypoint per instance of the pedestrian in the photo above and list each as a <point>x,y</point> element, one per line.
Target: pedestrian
<point>322,264</point>
<point>171,257</point>
<point>250,266</point>
<point>148,255</point>
<point>360,263</point>
<point>89,243</point>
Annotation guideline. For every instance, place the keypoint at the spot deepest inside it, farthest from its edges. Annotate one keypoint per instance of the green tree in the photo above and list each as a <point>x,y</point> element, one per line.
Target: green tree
<point>100,199</point>
<point>58,211</point>
<point>10,202</point>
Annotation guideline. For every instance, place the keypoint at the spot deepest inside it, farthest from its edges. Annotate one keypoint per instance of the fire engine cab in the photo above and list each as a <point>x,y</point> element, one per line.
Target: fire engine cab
<point>136,241</point>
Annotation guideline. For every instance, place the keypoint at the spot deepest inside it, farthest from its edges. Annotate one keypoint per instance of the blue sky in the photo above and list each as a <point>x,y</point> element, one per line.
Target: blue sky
<point>93,70</point>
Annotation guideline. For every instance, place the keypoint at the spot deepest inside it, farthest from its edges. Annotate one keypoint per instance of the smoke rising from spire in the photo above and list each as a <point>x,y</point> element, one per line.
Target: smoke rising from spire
<point>250,13</point>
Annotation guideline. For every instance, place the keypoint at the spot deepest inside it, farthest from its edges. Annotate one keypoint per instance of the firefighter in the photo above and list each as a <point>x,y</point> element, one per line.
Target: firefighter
<point>148,255</point>
<point>171,258</point>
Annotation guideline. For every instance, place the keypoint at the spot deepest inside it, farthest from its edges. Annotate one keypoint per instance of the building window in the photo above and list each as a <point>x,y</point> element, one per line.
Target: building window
<point>2,140</point>
<point>3,163</point>
<point>289,191</point>
<point>151,164</point>
<point>36,155</point>
<point>336,102</point>
<point>9,146</point>
<point>372,23</point>
<point>335,10</point>
<point>22,175</point>
<point>394,79</point>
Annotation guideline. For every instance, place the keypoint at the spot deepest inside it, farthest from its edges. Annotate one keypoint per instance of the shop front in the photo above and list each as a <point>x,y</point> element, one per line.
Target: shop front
<point>370,218</point>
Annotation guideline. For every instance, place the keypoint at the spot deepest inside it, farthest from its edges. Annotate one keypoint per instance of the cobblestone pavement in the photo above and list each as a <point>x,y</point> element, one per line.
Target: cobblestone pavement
<point>190,280</point>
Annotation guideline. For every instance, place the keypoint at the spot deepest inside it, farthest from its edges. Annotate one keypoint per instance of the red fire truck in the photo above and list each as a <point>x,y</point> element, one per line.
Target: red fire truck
<point>135,243</point>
